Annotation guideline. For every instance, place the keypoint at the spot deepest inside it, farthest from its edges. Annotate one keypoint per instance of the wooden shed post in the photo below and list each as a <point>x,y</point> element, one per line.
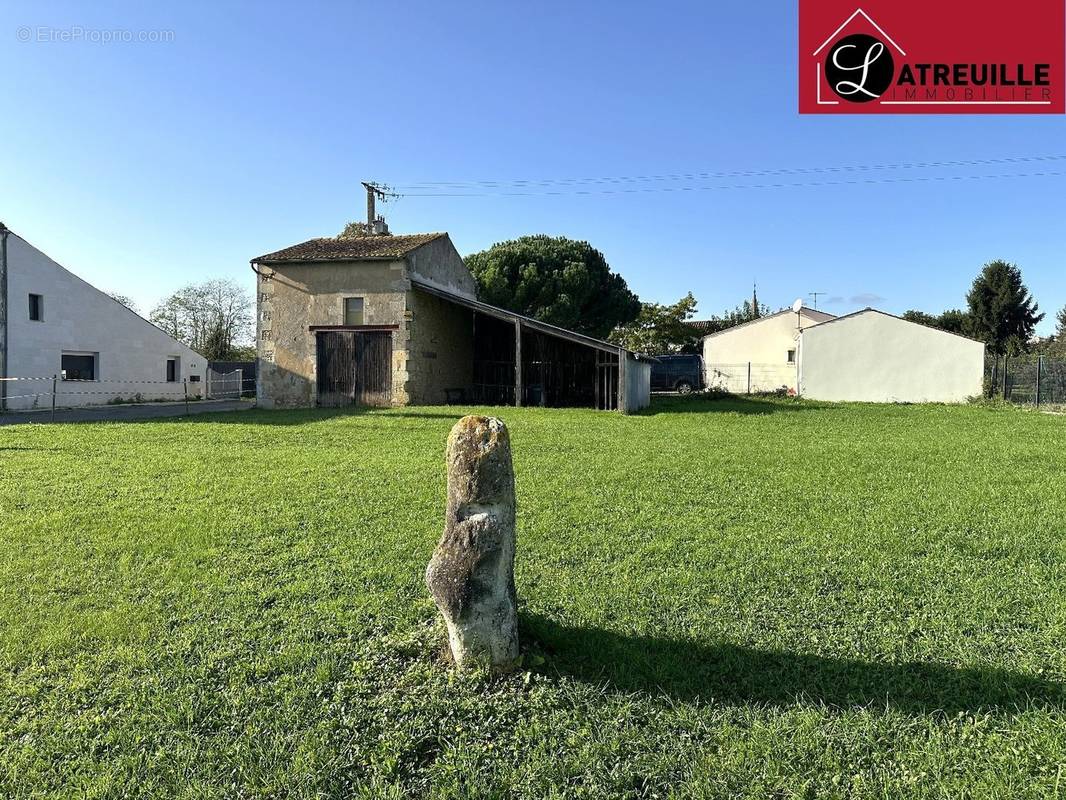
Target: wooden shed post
<point>518,363</point>
<point>623,401</point>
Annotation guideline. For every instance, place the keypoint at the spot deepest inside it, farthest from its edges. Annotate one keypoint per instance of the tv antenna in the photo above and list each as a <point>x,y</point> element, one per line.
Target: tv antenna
<point>815,296</point>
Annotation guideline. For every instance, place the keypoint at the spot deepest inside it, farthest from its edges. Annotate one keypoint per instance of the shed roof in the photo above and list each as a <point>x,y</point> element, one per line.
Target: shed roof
<point>529,322</point>
<point>869,310</point>
<point>354,248</point>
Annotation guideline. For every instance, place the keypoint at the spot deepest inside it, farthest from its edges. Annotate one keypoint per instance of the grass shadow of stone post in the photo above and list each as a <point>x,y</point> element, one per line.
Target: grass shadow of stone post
<point>688,670</point>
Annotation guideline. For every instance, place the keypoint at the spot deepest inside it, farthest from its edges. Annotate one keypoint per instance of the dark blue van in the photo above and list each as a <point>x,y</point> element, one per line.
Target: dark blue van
<point>677,373</point>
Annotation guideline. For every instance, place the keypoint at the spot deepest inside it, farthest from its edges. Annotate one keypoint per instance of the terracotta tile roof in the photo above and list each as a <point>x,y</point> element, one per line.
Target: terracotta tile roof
<point>355,248</point>
<point>704,325</point>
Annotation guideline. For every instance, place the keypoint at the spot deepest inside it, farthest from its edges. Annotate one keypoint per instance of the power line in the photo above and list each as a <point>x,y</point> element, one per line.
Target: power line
<point>693,176</point>
<point>726,187</point>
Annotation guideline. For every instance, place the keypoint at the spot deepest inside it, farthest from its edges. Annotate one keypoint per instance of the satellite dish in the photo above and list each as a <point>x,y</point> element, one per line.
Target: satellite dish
<point>798,305</point>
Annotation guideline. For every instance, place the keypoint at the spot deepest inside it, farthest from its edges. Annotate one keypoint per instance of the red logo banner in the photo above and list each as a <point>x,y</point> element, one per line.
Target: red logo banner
<point>932,57</point>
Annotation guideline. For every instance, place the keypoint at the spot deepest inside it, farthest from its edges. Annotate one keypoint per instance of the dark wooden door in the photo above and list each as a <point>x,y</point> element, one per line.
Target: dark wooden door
<point>373,368</point>
<point>354,368</point>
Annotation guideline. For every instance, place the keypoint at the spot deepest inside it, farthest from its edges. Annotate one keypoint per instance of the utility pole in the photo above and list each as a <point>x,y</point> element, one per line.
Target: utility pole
<point>371,196</point>
<point>815,296</point>
<point>374,192</point>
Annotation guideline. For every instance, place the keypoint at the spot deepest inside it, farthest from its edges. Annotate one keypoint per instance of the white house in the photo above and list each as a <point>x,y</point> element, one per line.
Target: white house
<point>758,356</point>
<point>877,357</point>
<point>52,323</point>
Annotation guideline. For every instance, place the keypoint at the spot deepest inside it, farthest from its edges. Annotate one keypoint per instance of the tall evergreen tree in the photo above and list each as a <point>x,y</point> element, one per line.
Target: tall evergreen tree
<point>1002,312</point>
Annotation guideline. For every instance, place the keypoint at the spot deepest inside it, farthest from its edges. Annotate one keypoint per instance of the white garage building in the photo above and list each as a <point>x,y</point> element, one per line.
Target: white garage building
<point>880,358</point>
<point>52,323</point>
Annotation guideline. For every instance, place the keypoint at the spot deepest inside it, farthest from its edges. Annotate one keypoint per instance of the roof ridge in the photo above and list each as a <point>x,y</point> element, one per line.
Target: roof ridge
<point>354,248</point>
<point>770,316</point>
<point>895,316</point>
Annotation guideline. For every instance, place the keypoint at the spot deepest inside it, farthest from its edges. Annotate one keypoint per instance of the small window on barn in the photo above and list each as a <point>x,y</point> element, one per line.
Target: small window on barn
<point>79,366</point>
<point>172,370</point>
<point>791,356</point>
<point>353,310</point>
<point>37,307</point>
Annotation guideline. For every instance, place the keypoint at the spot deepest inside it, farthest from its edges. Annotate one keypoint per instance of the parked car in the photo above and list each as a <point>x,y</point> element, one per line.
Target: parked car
<point>680,373</point>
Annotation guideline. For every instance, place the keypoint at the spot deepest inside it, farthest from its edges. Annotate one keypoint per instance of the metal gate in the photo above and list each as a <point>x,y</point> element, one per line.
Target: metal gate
<point>224,385</point>
<point>354,368</point>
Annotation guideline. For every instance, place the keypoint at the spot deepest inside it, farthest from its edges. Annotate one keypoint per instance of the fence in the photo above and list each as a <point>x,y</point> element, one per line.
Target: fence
<point>1030,379</point>
<point>51,392</point>
<point>750,377</point>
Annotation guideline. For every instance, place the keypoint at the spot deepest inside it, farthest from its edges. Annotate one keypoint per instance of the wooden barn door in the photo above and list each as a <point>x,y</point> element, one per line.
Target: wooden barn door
<point>354,368</point>
<point>373,368</point>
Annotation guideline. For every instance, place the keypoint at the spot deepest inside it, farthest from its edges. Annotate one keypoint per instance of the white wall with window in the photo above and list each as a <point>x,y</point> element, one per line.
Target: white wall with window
<point>758,356</point>
<point>98,350</point>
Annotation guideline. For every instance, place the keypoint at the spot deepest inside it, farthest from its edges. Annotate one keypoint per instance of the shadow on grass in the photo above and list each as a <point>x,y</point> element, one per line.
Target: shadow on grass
<point>686,670</point>
<point>705,404</point>
<point>304,416</point>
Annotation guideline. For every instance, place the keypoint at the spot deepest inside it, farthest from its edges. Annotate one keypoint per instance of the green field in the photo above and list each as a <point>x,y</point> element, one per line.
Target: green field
<point>732,598</point>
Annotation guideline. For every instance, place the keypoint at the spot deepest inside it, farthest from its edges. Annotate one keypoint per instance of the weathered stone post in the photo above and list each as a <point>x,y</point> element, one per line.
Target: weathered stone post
<point>471,574</point>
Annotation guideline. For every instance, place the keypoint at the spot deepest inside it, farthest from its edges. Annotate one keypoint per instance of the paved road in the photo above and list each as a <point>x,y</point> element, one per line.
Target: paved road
<point>126,412</point>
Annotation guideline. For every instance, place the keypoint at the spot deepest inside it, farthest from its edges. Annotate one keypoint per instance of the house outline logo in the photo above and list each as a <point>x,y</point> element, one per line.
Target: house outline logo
<point>876,62</point>
<point>917,57</point>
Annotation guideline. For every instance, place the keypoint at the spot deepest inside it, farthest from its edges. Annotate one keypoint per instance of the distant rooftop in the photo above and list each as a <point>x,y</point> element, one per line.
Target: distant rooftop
<point>354,248</point>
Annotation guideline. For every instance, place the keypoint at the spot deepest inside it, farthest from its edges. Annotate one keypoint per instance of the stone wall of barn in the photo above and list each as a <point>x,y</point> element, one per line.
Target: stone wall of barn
<point>294,297</point>
<point>438,264</point>
<point>440,355</point>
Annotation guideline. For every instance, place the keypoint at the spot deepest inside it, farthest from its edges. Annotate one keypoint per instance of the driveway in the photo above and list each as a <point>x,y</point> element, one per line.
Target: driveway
<point>125,413</point>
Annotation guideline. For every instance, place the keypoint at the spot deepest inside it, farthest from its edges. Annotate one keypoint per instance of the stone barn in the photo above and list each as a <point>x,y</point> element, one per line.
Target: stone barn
<point>384,320</point>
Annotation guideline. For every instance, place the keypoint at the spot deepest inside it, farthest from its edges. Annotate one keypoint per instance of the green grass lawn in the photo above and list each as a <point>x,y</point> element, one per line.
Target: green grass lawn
<point>760,598</point>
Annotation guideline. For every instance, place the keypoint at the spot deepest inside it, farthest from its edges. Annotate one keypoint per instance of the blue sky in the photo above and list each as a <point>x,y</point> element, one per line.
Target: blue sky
<point>143,166</point>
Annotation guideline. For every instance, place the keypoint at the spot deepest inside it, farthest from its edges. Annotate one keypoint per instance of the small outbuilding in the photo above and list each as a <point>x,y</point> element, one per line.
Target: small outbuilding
<point>880,358</point>
<point>383,320</point>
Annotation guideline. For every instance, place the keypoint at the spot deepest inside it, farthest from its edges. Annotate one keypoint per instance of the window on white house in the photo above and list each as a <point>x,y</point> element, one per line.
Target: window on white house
<point>79,366</point>
<point>37,307</point>
<point>791,356</point>
<point>353,310</point>
<point>172,370</point>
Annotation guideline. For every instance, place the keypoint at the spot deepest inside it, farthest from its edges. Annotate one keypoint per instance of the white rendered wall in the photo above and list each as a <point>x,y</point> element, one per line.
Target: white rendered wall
<point>764,344</point>
<point>875,357</point>
<point>81,318</point>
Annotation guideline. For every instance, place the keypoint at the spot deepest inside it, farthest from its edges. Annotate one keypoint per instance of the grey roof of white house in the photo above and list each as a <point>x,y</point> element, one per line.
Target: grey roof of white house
<point>871,310</point>
<point>830,318</point>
